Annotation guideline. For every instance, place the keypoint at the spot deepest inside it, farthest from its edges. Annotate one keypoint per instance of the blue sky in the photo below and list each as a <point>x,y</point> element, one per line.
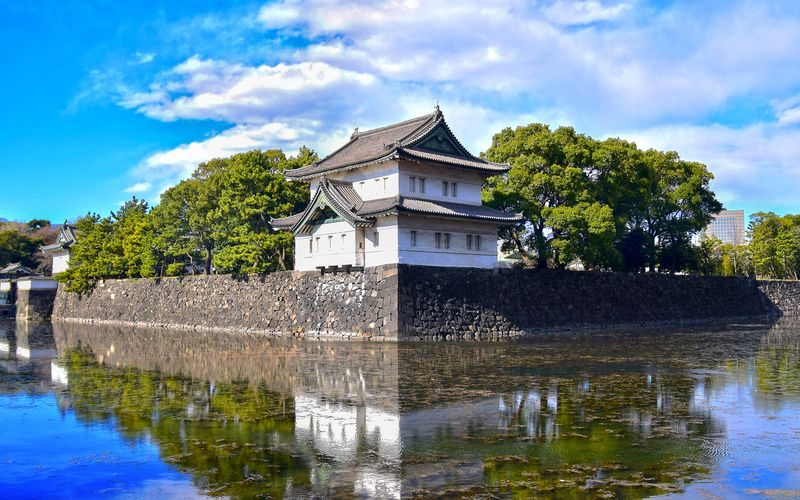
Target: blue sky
<point>107,99</point>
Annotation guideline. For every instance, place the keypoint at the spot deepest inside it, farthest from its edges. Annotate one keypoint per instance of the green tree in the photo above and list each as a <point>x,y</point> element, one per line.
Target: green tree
<point>677,203</point>
<point>251,191</point>
<point>18,247</point>
<point>90,260</point>
<point>775,245</point>
<point>549,183</point>
<point>36,224</point>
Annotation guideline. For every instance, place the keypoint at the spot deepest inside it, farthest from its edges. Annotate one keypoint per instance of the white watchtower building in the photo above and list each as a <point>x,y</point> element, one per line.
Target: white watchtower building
<point>408,193</point>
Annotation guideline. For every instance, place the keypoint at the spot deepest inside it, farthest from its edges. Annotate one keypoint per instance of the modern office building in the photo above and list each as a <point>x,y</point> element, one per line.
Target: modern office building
<point>728,227</point>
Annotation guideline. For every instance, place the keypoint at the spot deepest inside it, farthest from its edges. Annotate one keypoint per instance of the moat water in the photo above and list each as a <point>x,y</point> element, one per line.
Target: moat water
<point>91,412</point>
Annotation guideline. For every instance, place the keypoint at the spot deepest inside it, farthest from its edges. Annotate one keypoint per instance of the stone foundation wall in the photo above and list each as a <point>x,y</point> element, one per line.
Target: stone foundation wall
<point>427,303</point>
<point>447,303</point>
<point>35,305</point>
<point>356,305</point>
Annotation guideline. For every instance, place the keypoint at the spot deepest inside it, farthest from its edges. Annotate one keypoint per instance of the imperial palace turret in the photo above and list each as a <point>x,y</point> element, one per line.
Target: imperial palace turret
<point>407,193</point>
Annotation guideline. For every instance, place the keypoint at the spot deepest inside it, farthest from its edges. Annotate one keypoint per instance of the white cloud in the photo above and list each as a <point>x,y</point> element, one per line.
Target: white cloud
<point>570,12</point>
<point>278,15</point>
<point>788,111</point>
<point>210,89</point>
<point>139,187</point>
<point>164,168</point>
<point>600,65</point>
<point>755,167</point>
<point>143,58</point>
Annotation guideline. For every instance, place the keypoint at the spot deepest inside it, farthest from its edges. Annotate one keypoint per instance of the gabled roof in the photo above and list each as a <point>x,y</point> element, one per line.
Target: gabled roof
<point>16,269</point>
<point>65,239</point>
<point>336,195</point>
<point>426,138</point>
<point>345,202</point>
<point>403,204</point>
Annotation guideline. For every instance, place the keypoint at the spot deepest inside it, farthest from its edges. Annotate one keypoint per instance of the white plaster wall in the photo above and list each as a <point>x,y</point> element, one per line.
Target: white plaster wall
<point>386,250</point>
<point>340,252</point>
<point>5,286</point>
<point>469,183</point>
<point>425,252</point>
<point>60,261</point>
<point>36,284</point>
<point>371,183</point>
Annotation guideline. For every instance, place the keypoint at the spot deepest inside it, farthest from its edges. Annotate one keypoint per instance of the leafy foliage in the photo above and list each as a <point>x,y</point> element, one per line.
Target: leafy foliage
<point>215,221</point>
<point>19,242</point>
<point>772,250</point>
<point>606,203</point>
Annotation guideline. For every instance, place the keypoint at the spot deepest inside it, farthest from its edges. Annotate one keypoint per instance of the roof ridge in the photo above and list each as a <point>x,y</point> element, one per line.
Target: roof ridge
<point>395,125</point>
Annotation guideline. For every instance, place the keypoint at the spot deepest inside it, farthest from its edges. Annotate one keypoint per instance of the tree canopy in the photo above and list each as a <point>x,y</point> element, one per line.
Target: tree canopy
<point>772,250</point>
<point>607,204</point>
<point>218,220</point>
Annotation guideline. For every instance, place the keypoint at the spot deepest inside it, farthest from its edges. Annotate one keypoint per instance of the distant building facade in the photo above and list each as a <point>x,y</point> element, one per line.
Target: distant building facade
<point>60,250</point>
<point>406,193</point>
<point>728,227</point>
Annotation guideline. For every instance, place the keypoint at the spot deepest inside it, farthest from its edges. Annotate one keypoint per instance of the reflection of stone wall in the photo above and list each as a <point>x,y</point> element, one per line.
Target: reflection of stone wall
<point>363,372</point>
<point>418,302</point>
<point>299,303</point>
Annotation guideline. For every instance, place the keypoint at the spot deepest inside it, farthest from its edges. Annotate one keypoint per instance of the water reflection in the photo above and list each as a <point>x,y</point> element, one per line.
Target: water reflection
<point>629,414</point>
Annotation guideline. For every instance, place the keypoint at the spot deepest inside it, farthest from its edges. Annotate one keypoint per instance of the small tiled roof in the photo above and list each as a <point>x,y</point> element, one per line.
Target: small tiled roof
<point>17,268</point>
<point>402,204</point>
<point>346,202</point>
<point>65,239</point>
<point>410,139</point>
<point>341,197</point>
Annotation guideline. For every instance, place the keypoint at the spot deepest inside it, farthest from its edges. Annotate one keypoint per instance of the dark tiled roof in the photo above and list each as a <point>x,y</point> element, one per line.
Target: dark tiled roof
<point>436,208</point>
<point>286,222</point>
<point>458,161</point>
<point>17,268</point>
<point>401,140</point>
<point>65,239</point>
<point>340,195</point>
<point>347,203</point>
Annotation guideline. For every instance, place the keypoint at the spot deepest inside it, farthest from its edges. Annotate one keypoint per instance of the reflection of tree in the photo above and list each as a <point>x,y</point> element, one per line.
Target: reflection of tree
<point>777,365</point>
<point>615,435</point>
<point>232,438</point>
<point>582,418</point>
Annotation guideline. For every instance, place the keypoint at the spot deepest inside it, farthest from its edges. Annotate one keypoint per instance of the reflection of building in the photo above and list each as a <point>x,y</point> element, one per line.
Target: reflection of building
<point>406,193</point>
<point>728,227</point>
<point>60,249</point>
<point>388,420</point>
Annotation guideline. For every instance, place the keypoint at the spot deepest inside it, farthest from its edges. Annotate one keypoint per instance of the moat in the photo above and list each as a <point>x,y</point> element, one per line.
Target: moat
<point>89,411</point>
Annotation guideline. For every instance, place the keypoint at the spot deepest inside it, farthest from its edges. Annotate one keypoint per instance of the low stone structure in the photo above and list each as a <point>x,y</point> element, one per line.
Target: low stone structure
<point>399,302</point>
<point>35,298</point>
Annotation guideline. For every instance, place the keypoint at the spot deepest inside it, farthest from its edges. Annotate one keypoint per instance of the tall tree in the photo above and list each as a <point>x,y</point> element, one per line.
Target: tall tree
<point>550,183</point>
